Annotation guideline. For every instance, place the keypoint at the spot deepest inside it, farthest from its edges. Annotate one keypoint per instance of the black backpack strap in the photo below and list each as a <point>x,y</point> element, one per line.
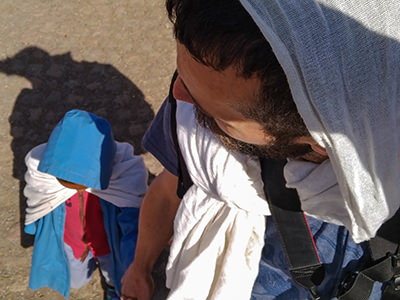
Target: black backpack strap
<point>359,285</point>
<point>302,255</point>
<point>292,226</point>
<point>385,266</point>
<point>387,243</point>
<point>184,180</point>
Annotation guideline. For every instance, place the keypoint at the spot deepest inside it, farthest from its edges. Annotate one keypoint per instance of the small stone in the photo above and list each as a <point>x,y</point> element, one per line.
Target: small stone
<point>35,114</point>
<point>122,100</point>
<point>35,69</point>
<point>55,70</point>
<point>17,132</point>
<point>36,82</point>
<point>15,117</point>
<point>93,86</point>
<point>74,99</point>
<point>54,96</point>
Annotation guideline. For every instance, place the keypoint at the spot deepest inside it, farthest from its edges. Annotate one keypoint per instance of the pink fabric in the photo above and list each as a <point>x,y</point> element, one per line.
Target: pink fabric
<point>96,236</point>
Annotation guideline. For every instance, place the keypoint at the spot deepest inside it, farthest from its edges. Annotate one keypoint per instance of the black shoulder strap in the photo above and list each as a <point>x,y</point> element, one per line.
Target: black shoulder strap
<point>184,180</point>
<point>292,226</point>
<point>384,267</point>
<point>301,254</point>
<point>387,238</point>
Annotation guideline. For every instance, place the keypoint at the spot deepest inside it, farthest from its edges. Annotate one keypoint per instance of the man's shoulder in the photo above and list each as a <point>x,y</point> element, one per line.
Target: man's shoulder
<point>158,139</point>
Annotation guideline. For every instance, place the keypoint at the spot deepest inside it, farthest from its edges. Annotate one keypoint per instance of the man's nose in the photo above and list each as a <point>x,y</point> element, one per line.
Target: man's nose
<point>179,91</point>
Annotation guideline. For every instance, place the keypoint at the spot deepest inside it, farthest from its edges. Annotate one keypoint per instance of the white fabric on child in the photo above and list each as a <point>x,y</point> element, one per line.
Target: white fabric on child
<point>81,271</point>
<point>44,193</point>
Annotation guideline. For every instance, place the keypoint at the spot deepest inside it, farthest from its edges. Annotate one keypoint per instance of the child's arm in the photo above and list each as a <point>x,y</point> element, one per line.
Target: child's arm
<point>156,219</point>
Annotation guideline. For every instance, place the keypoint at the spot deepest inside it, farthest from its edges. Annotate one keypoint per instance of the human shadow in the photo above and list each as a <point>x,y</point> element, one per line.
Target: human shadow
<point>59,84</point>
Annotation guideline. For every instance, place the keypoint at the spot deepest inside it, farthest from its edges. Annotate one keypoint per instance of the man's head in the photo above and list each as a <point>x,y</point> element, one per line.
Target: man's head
<point>227,68</point>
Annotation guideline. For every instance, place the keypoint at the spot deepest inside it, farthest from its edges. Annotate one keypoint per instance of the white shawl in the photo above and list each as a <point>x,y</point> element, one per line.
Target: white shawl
<point>316,184</point>
<point>342,61</point>
<point>220,224</point>
<point>44,193</point>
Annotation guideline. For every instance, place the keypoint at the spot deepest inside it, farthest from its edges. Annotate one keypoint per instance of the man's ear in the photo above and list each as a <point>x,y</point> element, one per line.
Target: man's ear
<point>317,148</point>
<point>314,145</point>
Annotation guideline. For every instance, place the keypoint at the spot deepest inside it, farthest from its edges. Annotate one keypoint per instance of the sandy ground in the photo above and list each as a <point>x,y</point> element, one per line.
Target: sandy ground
<point>113,58</point>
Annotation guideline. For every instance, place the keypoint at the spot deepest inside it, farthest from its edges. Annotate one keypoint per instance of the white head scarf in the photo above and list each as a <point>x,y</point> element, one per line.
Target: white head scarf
<point>342,61</point>
<point>127,186</point>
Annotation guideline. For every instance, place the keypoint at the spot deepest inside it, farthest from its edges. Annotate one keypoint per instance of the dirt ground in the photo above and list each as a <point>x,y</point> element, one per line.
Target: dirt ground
<point>113,58</point>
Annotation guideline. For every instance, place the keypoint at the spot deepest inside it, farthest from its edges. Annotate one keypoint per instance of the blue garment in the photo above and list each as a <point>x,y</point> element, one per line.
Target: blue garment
<point>336,248</point>
<point>49,262</point>
<point>80,150</point>
<point>158,139</point>
<point>121,225</point>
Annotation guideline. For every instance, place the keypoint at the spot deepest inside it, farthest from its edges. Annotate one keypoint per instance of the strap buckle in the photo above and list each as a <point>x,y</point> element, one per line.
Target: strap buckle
<point>347,283</point>
<point>395,261</point>
<point>395,281</point>
<point>314,293</point>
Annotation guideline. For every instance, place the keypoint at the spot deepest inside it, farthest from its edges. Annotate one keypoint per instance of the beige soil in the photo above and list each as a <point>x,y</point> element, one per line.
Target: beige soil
<point>113,58</point>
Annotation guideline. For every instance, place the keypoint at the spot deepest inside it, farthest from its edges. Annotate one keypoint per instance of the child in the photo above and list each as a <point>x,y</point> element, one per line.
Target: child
<point>84,191</point>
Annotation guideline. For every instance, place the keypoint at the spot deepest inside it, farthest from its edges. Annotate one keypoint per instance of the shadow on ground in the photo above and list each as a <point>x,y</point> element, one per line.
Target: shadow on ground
<point>60,84</point>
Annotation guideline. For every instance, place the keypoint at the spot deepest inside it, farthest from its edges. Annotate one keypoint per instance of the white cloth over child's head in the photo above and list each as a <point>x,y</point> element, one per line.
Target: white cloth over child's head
<point>342,61</point>
<point>127,185</point>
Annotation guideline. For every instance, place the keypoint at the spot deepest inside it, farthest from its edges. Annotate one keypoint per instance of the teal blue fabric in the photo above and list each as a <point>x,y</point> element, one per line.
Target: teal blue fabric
<point>49,263</point>
<point>81,150</point>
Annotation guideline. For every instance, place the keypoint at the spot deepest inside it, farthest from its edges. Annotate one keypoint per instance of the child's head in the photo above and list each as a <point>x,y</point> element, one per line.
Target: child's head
<point>80,150</point>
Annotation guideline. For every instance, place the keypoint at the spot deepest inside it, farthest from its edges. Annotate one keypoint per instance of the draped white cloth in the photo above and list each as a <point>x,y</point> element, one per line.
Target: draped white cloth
<point>127,186</point>
<point>318,190</point>
<point>342,58</point>
<point>220,224</point>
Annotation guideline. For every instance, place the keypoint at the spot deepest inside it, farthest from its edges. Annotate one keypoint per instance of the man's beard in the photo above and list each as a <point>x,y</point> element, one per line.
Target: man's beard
<point>281,148</point>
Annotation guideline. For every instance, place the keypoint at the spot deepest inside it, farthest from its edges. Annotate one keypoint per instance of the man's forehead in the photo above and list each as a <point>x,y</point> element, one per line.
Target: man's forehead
<point>224,86</point>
